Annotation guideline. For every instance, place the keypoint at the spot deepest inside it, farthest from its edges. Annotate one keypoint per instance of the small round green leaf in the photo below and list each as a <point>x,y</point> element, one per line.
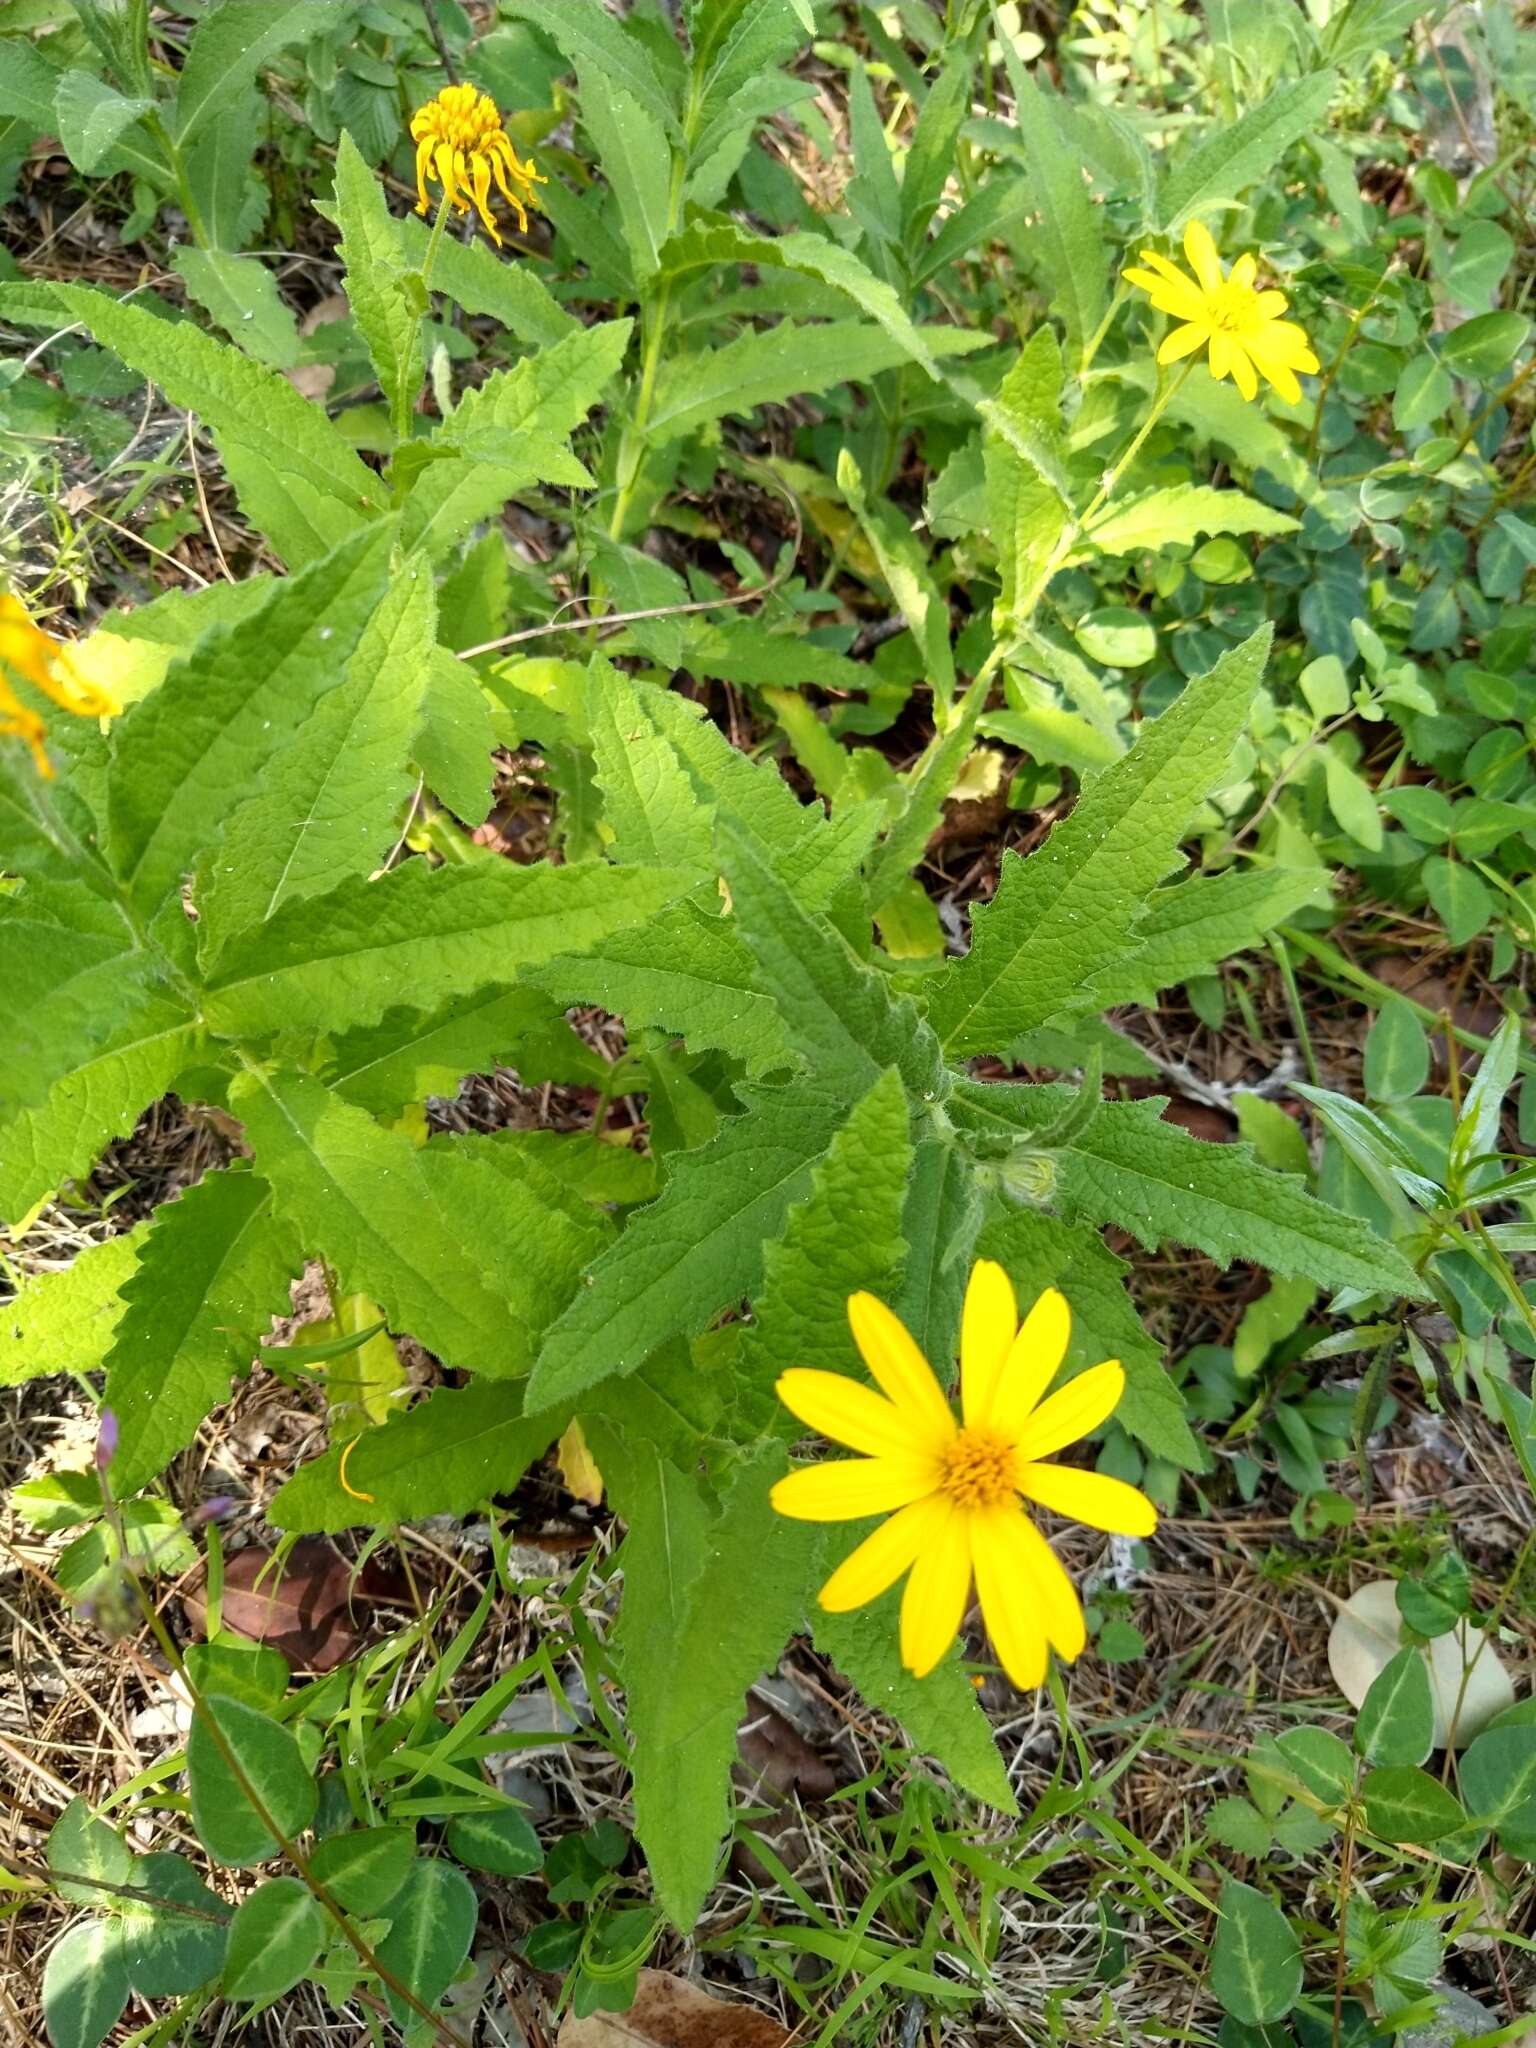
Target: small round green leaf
<point>1404,1804</point>
<point>85,1985</point>
<point>501,1842</point>
<point>273,1939</point>
<point>363,1870</point>
<point>173,1941</point>
<point>1321,1761</point>
<point>87,1848</point>
<point>230,1828</point>
<point>1118,637</point>
<point>1396,1053</point>
<point>1498,1778</point>
<point>1462,901</point>
<point>1396,1723</point>
<point>432,1925</point>
<point>1482,347</point>
<point>1256,1958</point>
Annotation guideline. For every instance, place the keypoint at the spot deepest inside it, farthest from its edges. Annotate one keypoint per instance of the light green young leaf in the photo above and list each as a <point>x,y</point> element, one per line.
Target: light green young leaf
<point>331,802</point>
<point>943,1212</point>
<point>229,46</point>
<point>85,1984</point>
<point>762,368</point>
<point>456,737</point>
<point>91,118</point>
<point>1026,484</point>
<point>931,156</point>
<point>386,298</point>
<point>636,160</point>
<point>65,1320</point>
<point>1057,916</point>
<point>446,1456</point>
<point>1233,157</point>
<point>697,1247</point>
<point>183,756</point>
<point>1176,516</point>
<point>650,803</point>
<point>327,963</point>
<point>904,565</point>
<point>240,294</point>
<point>211,1274</point>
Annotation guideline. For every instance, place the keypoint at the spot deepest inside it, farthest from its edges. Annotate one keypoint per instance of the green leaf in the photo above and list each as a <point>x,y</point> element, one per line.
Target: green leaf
<point>501,1842</point>
<point>1423,394</point>
<point>1498,1779</point>
<point>82,1847</point>
<point>1238,154</point>
<point>364,1868</point>
<point>276,1934</point>
<point>233,1829</point>
<point>480,281</point>
<point>91,118</point>
<point>339,960</point>
<point>924,791</point>
<point>211,1274</point>
<point>845,1235</point>
<point>309,481</point>
<point>64,1321</point>
<point>763,368</point>
<point>940,1713</point>
<point>636,159</point>
<point>1068,241</point>
<point>903,563</point>
<point>1058,915</point>
<point>1462,901</point>
<point>588,35</point>
<point>697,1247</point>
<point>230,45</point>
<point>1176,516</point>
<point>241,294</point>
<point>650,801</point>
<point>734,44</point>
<point>386,298</point>
<point>1352,801</point>
<point>1403,1804</point>
<point>456,738</point>
<point>1396,1053</point>
<point>1396,1722</point>
<point>1485,345</point>
<point>1477,1128</point>
<point>438,1236</point>
<point>184,754</point>
<point>1240,1826</point>
<point>331,801</point>
<point>28,82</point>
<point>432,1923</point>
<point>1190,928</point>
<point>1255,1958</point>
<point>410,1055</point>
<point>85,1985</point>
<point>1321,1761</point>
<point>689,1649</point>
<point>449,1454</point>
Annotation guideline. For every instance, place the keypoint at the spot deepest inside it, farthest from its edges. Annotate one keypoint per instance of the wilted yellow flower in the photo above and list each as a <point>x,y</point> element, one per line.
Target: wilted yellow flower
<point>1240,324</point>
<point>956,1486</point>
<point>461,145</point>
<point>27,651</point>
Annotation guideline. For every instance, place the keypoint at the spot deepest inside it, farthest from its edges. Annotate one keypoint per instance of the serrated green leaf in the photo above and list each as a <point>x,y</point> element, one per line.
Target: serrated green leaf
<point>650,802</point>
<point>432,1923</point>
<point>1255,1958</point>
<point>211,1274</point>
<point>91,118</point>
<point>1238,154</point>
<point>1026,485</point>
<point>241,295</point>
<point>331,801</point>
<point>275,1936</point>
<point>446,1456</point>
<point>1238,1825</point>
<point>64,1321</point>
<point>85,1984</point>
<point>334,961</point>
<point>1059,914</point>
<point>410,1054</point>
<point>230,1827</point>
<point>480,281</point>
<point>636,158</point>
<point>1176,516</point>
<point>184,754</point>
<point>229,46</point>
<point>456,738</point>
<point>385,298</point>
<point>735,44</point>
<point>1191,928</point>
<point>904,565</point>
<point>587,34</point>
<point>28,82</point>
<point>1068,242</point>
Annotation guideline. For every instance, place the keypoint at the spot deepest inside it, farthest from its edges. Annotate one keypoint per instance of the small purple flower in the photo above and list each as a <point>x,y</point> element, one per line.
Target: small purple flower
<point>218,1509</point>
<point>106,1440</point>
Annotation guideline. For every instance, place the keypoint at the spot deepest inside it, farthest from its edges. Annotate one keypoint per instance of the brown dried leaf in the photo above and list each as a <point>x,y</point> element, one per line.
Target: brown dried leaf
<point>669,2013</point>
<point>308,1607</point>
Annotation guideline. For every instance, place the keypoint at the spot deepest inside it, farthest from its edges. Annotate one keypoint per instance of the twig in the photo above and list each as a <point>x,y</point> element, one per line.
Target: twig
<point>202,498</point>
<point>435,30</point>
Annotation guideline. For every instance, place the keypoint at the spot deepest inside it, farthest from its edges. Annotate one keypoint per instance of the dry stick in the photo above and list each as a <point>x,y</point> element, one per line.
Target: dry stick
<point>202,498</point>
<point>435,30</point>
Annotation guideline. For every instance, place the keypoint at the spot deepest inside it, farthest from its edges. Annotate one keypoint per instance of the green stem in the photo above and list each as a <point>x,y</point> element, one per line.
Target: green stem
<point>433,240</point>
<point>632,443</point>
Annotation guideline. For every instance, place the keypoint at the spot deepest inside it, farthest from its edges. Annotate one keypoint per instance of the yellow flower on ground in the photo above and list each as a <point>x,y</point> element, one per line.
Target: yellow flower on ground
<point>461,145</point>
<point>28,652</point>
<point>955,1490</point>
<point>1240,324</point>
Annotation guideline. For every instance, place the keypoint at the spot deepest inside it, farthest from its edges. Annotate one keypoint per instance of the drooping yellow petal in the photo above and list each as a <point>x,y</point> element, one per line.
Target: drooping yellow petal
<point>844,1489</point>
<point>1183,341</point>
<point>883,1556</point>
<point>1080,1406</point>
<point>887,1348</point>
<point>1034,1359</point>
<point>423,165</point>
<point>1092,1498</point>
<point>933,1606</point>
<point>850,1413</point>
<point>1242,369</point>
<point>1221,354</point>
<point>463,146</point>
<point>1200,251</point>
<point>989,1323</point>
<point>480,177</point>
<point>1061,1611</point>
<point>1005,1585</point>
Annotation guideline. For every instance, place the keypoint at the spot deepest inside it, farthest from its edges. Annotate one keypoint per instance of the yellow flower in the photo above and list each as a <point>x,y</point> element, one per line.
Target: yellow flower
<point>461,145</point>
<point>955,1486</point>
<point>27,651</point>
<point>1240,323</point>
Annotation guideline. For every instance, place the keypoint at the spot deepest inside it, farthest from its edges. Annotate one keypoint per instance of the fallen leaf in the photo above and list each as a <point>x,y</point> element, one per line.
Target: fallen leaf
<point>307,1607</point>
<point>669,2013</point>
<point>578,1467</point>
<point>1465,1671</point>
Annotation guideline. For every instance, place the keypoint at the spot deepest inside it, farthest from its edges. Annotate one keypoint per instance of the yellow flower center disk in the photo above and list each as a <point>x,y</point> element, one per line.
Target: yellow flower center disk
<point>1231,309</point>
<point>978,1469</point>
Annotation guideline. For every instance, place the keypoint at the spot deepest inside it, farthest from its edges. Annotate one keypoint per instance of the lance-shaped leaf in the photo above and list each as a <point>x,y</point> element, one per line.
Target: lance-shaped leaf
<point>1192,927</point>
<point>386,297</point>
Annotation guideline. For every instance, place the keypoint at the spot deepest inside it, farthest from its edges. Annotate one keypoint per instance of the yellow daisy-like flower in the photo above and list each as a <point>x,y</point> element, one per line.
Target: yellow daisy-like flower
<point>461,145</point>
<point>27,651</point>
<point>955,1490</point>
<point>1240,324</point>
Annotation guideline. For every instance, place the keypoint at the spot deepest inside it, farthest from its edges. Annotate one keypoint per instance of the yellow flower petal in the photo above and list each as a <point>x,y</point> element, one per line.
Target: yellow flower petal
<point>1033,1362</point>
<point>1269,305</point>
<point>1080,1406</point>
<point>933,1606</point>
<point>1009,1604</point>
<point>850,1413</point>
<point>1183,341</point>
<point>887,1348</point>
<point>845,1489</point>
<point>1009,1549</point>
<point>988,1326</point>
<point>1092,1498</point>
<point>1245,270</point>
<point>1221,353</point>
<point>1176,295</point>
<point>1200,251</point>
<point>1243,374</point>
<point>883,1556</point>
